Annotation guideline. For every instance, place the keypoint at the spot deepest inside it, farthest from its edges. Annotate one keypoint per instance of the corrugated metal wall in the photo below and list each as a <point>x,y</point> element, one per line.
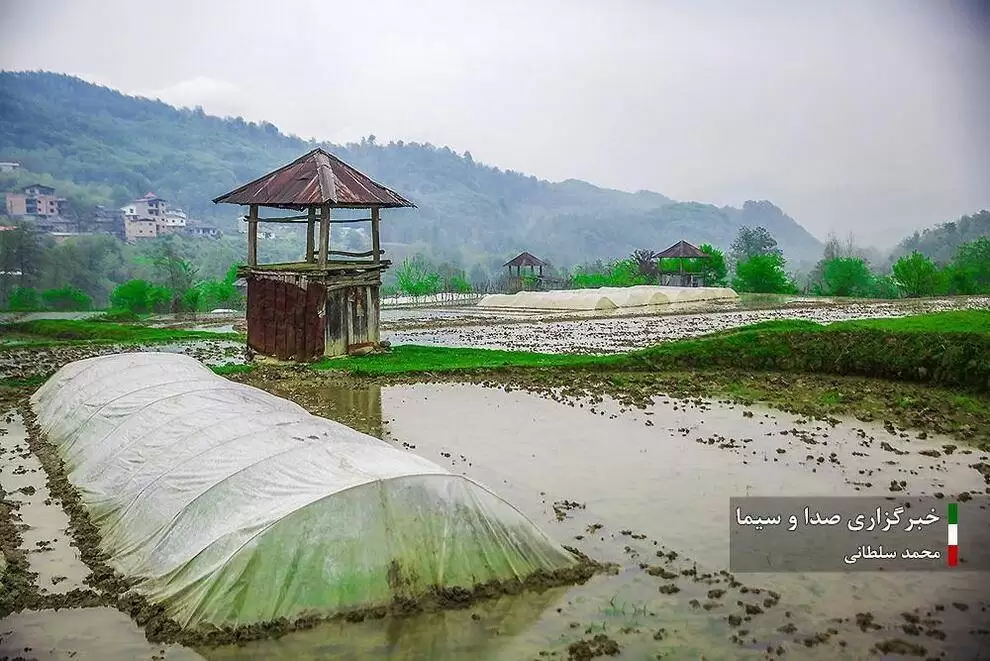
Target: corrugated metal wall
<point>293,318</point>
<point>286,317</point>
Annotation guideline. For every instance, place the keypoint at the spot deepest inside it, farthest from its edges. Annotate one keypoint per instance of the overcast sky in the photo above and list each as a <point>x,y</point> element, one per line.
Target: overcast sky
<point>862,116</point>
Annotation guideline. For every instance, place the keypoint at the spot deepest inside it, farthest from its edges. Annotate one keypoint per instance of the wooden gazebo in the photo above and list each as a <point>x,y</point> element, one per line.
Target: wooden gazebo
<point>519,262</point>
<point>321,306</point>
<point>682,251</point>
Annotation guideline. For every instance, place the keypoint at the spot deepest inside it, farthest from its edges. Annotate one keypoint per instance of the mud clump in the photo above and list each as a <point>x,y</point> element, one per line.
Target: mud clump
<point>585,649</point>
<point>562,507</point>
<point>898,646</point>
<point>983,469</point>
<point>865,622</point>
<point>654,570</point>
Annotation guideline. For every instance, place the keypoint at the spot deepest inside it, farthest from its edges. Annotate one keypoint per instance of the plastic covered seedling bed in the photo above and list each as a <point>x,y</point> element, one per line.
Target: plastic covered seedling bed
<point>232,506</point>
<point>606,298</point>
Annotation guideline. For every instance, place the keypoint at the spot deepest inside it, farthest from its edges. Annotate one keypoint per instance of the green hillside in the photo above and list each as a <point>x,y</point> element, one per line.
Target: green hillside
<point>102,147</point>
<point>940,242</point>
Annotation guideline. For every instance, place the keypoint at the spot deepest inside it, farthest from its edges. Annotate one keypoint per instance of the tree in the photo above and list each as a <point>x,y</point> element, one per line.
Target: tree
<point>21,251</point>
<point>753,242</point>
<point>716,271</point>
<point>972,262</point>
<point>885,286</point>
<point>141,297</point>
<point>763,274</point>
<point>67,298</point>
<point>916,275</point>
<point>211,294</point>
<point>479,277</point>
<point>23,299</point>
<point>459,284</point>
<point>417,278</point>
<point>179,273</point>
<point>846,276</point>
<point>647,264</point>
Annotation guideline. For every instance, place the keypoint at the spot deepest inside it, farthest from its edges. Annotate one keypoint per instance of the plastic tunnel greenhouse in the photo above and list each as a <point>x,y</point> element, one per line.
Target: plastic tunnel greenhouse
<point>231,506</point>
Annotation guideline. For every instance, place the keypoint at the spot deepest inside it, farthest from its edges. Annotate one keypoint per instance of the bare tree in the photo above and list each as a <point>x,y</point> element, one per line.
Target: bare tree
<point>646,262</point>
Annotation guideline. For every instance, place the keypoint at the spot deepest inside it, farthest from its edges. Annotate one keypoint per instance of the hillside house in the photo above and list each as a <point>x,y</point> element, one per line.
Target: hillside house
<point>9,166</point>
<point>205,231</point>
<point>150,216</point>
<point>37,201</point>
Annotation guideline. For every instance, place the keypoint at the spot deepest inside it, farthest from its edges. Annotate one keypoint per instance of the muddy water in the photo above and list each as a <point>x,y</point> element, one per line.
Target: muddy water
<point>639,484</point>
<point>102,634</point>
<point>607,335</point>
<point>43,522</point>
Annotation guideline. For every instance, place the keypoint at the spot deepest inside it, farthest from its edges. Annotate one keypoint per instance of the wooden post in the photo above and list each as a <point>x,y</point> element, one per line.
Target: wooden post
<point>253,235</point>
<point>375,237</point>
<point>324,235</point>
<point>310,233</point>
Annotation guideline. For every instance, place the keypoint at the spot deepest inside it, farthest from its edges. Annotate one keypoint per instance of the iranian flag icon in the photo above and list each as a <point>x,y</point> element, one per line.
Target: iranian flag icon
<point>953,534</point>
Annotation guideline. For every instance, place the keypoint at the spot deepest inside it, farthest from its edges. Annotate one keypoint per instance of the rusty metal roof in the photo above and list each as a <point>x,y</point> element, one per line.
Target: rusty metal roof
<point>681,249</point>
<point>524,259</point>
<point>315,179</point>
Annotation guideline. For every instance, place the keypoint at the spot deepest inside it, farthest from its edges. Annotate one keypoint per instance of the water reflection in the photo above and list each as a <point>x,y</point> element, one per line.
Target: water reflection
<point>358,407</point>
<point>481,632</point>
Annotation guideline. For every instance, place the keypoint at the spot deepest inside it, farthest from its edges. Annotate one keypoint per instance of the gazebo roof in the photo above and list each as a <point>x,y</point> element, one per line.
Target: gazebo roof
<point>681,249</point>
<point>524,259</point>
<point>315,179</point>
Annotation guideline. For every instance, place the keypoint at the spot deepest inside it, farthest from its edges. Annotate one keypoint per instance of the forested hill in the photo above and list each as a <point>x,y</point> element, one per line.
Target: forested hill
<point>940,242</point>
<point>102,147</point>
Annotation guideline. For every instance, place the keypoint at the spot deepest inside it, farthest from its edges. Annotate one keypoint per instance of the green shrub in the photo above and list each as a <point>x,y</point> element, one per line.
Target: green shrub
<point>621,273</point>
<point>763,274</point>
<point>141,297</point>
<point>66,299</point>
<point>414,278</point>
<point>916,275</point>
<point>23,299</point>
<point>117,316</point>
<point>847,276</point>
<point>459,284</point>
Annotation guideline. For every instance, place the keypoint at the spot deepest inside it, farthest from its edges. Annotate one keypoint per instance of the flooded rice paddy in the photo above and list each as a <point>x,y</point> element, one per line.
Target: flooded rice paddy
<point>608,334</point>
<point>646,489</point>
<point>649,489</point>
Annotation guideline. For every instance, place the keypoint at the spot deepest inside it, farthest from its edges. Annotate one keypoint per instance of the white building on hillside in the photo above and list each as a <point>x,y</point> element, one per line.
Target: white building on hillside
<point>150,216</point>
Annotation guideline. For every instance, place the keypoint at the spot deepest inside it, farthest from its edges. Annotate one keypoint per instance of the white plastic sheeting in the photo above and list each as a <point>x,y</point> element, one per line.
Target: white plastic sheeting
<point>233,506</point>
<point>607,298</point>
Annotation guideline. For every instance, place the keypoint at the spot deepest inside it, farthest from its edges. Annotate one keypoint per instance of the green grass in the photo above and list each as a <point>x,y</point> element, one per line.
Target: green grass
<point>407,358</point>
<point>946,348</point>
<point>232,368</point>
<point>47,332</point>
<point>32,381</point>
<point>956,321</point>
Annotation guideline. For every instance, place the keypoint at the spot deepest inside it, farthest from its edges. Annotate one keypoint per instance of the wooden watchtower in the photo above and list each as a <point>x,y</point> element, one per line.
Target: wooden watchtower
<point>524,259</point>
<point>318,307</point>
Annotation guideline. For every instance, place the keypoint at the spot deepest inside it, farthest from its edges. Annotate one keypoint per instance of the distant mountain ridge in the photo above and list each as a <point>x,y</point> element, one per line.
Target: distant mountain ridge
<point>115,147</point>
